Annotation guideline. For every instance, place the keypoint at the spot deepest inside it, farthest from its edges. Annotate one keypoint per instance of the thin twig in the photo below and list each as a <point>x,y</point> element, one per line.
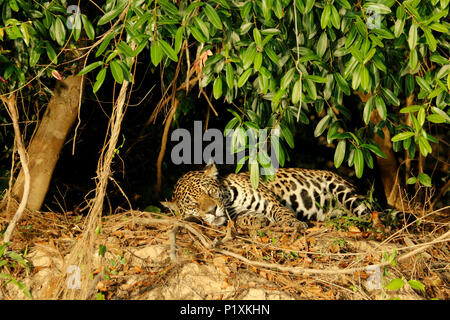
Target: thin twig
<point>10,103</point>
<point>163,146</point>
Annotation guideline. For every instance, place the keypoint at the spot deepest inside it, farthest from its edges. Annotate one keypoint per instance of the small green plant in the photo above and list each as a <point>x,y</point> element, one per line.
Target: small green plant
<point>100,296</point>
<point>260,233</point>
<point>9,260</point>
<point>398,283</point>
<point>102,250</point>
<point>114,264</point>
<point>340,242</point>
<point>345,222</point>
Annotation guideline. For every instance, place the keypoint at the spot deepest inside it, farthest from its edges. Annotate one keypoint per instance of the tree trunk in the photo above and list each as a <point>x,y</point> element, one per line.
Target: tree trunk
<point>388,167</point>
<point>45,146</point>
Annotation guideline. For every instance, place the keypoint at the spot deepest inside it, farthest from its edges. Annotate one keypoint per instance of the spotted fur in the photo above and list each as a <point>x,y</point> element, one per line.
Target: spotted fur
<point>295,195</point>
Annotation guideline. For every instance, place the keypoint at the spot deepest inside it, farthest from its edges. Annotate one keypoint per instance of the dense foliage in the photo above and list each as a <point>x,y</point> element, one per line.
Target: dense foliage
<point>277,61</point>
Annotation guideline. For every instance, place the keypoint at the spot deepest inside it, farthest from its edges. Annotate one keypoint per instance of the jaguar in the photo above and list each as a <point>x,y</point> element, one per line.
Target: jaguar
<point>293,197</point>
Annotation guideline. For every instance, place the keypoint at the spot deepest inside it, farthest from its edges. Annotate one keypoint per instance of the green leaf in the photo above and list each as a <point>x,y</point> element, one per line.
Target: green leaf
<point>362,27</point>
<point>309,4</point>
<point>325,17</point>
<point>421,116</point>
<point>258,61</point>
<point>253,167</point>
<point>25,33</point>
<point>413,59</point>
<point>365,78</point>
<point>375,149</point>
<point>257,37</point>
<point>125,49</point>
<point>315,78</point>
<point>342,83</point>
<point>287,78</point>
<point>217,88</point>
<point>168,50</point>
<point>91,67</point>
<point>310,89</point>
<point>351,65</point>
<point>229,75</point>
<point>412,36</point>
<point>266,6</point>
<point>264,159</point>
<point>244,77</point>
<point>369,55</point>
<point>411,180</point>
<point>90,31</point>
<point>431,40</point>
<point>416,285</point>
<point>277,149</point>
<point>395,284</point>
<point>169,7</point>
<point>197,34</point>
<point>179,39</point>
<point>99,80</point>
<point>423,84</point>
<point>335,17</point>
<point>249,56</point>
<point>345,4</point>
<point>156,53</point>
<point>381,107</point>
<point>322,125</point>
<point>297,92</point>
<point>359,163</point>
<point>424,179</point>
<point>287,134</point>
<point>213,16</point>
<point>424,146</point>
<point>151,208</point>
<point>104,44</point>
<point>322,44</point>
<point>271,31</point>
<point>390,97</point>
<point>398,27</point>
<point>368,110</point>
<point>271,54</point>
<point>439,59</point>
<point>35,54</point>
<point>402,136</point>
<point>60,31</point>
<point>441,113</point>
<point>377,7</point>
<point>379,63</point>
<point>108,16</point>
<point>116,71</point>
<point>413,108</point>
<point>51,53</point>
<point>277,98</point>
<point>245,10</point>
<point>13,5</point>
<point>339,154</point>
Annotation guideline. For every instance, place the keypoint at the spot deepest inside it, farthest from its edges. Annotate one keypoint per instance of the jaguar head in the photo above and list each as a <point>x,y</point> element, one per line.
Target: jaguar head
<point>199,194</point>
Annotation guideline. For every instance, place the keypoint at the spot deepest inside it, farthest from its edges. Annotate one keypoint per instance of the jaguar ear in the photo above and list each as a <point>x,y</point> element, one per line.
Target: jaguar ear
<point>211,169</point>
<point>172,205</point>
